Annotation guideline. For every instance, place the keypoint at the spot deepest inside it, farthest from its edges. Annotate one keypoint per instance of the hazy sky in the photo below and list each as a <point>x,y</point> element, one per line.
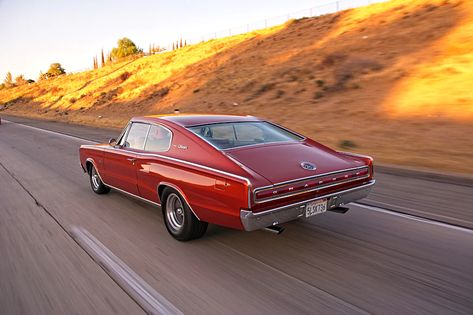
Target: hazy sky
<point>34,34</point>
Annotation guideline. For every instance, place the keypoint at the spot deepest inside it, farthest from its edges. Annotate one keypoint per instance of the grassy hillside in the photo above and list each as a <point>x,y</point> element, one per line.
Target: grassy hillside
<point>392,80</point>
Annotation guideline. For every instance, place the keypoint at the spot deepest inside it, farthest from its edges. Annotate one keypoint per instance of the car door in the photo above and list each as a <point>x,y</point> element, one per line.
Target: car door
<point>158,142</point>
<point>120,160</point>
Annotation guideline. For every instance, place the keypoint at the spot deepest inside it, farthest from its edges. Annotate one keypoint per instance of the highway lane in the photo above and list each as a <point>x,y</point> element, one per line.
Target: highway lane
<point>360,262</point>
<point>434,196</point>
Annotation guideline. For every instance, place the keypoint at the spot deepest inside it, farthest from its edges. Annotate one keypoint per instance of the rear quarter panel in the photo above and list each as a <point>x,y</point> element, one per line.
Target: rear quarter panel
<point>214,198</point>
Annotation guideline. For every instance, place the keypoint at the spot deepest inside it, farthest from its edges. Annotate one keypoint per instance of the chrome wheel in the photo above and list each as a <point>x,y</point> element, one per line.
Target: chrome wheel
<point>96,183</point>
<point>95,179</point>
<point>175,212</point>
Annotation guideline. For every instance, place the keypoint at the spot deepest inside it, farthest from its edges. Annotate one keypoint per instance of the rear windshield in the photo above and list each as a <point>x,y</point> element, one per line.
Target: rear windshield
<point>238,134</point>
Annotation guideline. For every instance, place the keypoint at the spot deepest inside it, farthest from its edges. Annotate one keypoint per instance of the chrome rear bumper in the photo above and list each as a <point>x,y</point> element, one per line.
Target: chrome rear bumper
<point>254,221</point>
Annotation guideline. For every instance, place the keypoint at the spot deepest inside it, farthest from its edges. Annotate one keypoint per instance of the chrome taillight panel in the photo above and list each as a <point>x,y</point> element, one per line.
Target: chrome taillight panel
<point>309,184</point>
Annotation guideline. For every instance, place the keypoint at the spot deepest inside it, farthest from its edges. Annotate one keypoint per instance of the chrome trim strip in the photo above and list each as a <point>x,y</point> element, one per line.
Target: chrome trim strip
<point>288,130</point>
<point>370,183</point>
<point>133,195</point>
<point>253,221</point>
<point>356,155</point>
<point>182,194</point>
<point>178,189</point>
<point>310,177</point>
<point>246,180</point>
<point>225,122</point>
<point>311,190</point>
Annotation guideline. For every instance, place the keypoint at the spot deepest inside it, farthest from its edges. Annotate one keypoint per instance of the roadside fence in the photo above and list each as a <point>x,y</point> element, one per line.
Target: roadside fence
<point>322,9</point>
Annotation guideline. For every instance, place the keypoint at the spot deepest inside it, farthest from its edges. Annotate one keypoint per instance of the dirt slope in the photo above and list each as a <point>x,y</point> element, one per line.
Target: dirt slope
<point>392,80</point>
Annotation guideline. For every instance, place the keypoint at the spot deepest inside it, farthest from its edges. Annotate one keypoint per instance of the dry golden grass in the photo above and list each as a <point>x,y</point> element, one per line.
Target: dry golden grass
<point>393,78</point>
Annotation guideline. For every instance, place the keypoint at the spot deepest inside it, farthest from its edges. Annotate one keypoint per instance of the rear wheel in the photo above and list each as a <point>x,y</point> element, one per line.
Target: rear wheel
<point>96,183</point>
<point>179,219</point>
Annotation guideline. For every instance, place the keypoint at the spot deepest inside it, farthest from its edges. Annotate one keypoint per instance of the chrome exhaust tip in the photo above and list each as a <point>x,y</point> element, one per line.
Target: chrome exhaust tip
<point>276,229</point>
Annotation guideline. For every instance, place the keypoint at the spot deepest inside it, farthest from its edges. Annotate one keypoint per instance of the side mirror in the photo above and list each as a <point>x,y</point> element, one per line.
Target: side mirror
<point>112,142</point>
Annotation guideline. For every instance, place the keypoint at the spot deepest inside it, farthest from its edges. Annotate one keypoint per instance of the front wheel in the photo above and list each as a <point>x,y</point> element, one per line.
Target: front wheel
<point>96,182</point>
<point>179,219</point>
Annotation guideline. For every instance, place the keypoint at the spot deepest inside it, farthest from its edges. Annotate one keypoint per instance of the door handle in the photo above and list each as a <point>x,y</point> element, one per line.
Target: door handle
<point>132,160</point>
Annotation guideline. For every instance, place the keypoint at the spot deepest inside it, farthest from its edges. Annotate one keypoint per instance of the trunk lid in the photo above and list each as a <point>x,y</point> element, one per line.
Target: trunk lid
<point>282,162</point>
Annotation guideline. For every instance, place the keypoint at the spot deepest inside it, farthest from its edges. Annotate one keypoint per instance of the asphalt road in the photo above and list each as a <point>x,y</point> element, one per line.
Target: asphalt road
<point>365,261</point>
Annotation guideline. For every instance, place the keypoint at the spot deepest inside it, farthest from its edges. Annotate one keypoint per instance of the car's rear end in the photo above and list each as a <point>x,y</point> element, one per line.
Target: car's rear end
<point>305,179</point>
<point>291,176</point>
<point>306,197</point>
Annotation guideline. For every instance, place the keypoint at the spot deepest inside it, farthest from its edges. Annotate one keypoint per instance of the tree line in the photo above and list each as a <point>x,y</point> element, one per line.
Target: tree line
<point>125,48</point>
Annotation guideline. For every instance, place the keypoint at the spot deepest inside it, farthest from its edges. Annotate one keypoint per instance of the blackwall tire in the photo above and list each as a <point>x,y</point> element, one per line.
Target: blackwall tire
<point>96,183</point>
<point>179,219</point>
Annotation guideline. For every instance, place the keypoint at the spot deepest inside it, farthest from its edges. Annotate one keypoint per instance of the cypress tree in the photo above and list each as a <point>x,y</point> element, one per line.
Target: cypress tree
<point>9,79</point>
<point>103,59</point>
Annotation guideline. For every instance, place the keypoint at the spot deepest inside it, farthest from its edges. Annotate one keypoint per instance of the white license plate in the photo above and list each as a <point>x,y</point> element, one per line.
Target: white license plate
<point>315,207</point>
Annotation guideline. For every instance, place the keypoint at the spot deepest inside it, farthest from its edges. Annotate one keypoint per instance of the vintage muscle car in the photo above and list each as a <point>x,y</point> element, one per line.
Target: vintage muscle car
<point>239,172</point>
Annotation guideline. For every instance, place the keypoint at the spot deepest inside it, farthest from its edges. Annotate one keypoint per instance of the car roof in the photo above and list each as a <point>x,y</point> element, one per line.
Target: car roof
<point>187,120</point>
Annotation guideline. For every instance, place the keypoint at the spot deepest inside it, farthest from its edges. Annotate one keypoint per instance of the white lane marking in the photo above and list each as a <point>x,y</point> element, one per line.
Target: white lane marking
<point>414,218</point>
<point>372,208</point>
<point>148,298</point>
<point>51,132</point>
<point>412,210</point>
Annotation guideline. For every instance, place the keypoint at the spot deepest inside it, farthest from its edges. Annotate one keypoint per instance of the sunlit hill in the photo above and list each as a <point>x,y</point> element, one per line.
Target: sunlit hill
<point>392,79</point>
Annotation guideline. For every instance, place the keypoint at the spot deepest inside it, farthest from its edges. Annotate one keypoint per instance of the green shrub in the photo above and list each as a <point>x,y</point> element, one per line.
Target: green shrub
<point>55,70</point>
<point>126,47</point>
<point>320,83</point>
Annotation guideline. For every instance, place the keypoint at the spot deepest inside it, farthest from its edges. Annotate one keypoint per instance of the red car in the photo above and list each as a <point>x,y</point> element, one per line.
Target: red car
<point>239,172</point>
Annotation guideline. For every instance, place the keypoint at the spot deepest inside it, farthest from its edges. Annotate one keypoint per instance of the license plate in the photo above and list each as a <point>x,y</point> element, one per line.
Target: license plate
<point>315,207</point>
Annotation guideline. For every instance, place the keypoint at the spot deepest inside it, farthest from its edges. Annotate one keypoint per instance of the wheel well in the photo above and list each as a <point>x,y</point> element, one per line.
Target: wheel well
<point>88,166</point>
<point>161,189</point>
<point>163,186</point>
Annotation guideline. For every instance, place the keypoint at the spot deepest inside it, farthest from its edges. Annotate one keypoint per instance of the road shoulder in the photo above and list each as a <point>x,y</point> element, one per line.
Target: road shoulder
<point>42,270</point>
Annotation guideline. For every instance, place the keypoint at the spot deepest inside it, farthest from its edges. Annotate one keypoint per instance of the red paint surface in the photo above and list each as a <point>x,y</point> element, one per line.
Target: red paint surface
<point>215,197</point>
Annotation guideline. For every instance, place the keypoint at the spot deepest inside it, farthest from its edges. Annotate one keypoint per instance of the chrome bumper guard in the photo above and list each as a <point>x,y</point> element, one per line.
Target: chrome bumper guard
<point>254,221</point>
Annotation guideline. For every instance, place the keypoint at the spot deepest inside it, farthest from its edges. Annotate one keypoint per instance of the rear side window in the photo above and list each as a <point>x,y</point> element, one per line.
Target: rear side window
<point>240,134</point>
<point>159,139</point>
<point>136,136</point>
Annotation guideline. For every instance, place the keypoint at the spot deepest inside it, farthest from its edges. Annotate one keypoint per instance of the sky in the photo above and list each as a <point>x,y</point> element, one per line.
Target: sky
<point>34,34</point>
